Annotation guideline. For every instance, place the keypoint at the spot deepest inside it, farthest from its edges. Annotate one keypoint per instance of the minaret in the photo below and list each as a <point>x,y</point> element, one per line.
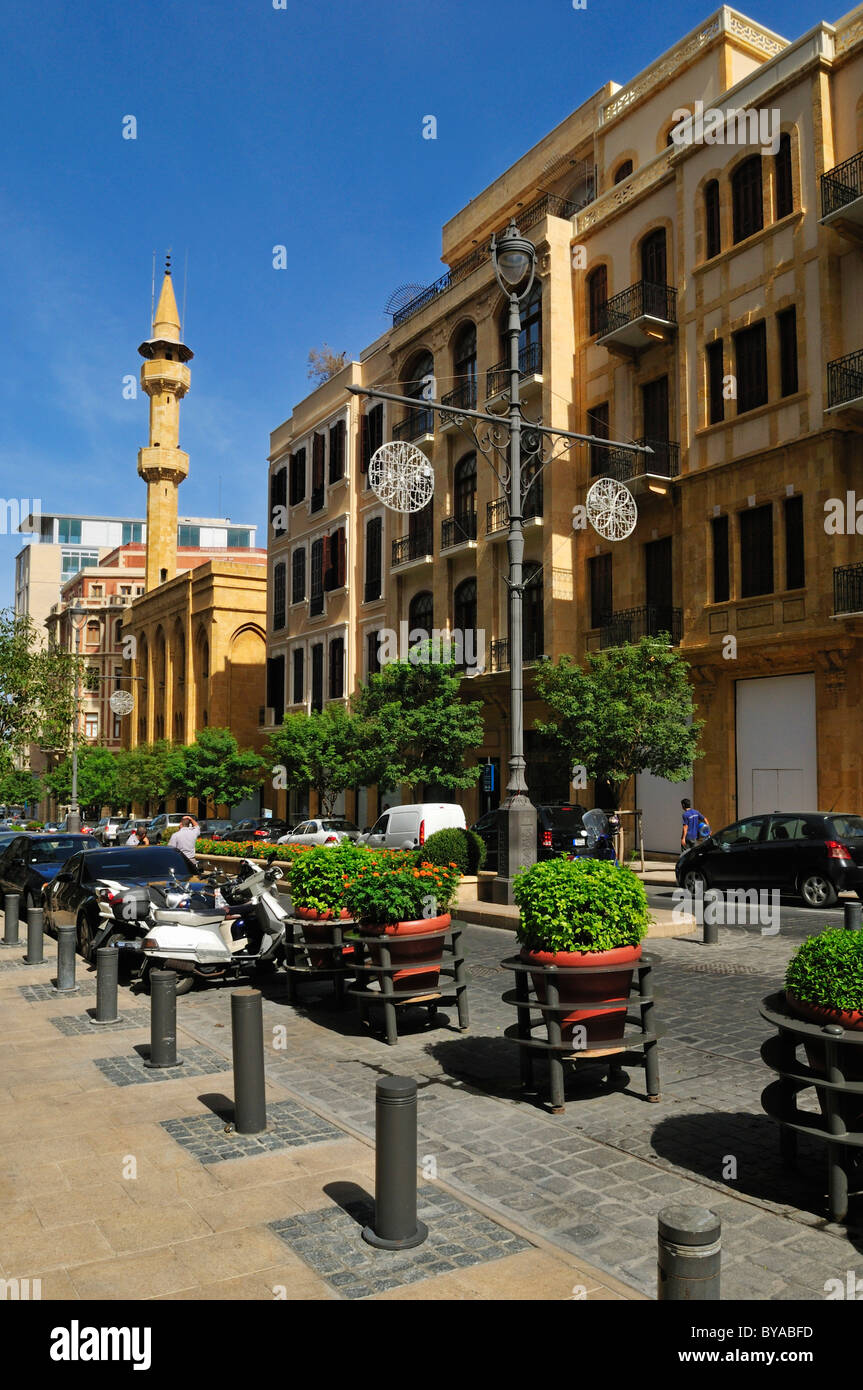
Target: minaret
<point>163,466</point>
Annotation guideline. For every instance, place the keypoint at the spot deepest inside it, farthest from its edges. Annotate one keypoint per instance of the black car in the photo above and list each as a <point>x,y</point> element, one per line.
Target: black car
<point>95,892</point>
<point>30,861</point>
<point>559,830</point>
<point>814,854</point>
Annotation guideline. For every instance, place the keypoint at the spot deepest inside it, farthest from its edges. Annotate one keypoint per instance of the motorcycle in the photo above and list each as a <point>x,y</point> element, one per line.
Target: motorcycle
<point>600,836</point>
<point>217,930</point>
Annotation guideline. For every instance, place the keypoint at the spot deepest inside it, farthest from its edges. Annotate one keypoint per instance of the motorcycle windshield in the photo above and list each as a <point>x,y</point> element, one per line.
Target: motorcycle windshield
<point>596,824</point>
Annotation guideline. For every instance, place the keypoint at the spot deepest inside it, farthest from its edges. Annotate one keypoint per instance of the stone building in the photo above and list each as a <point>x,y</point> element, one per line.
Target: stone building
<point>700,290</point>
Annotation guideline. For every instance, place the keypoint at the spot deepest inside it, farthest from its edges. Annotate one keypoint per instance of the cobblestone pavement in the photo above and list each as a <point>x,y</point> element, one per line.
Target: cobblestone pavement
<point>593,1179</point>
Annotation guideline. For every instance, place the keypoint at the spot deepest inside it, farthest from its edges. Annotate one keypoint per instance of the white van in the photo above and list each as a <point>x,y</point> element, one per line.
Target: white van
<point>408,827</point>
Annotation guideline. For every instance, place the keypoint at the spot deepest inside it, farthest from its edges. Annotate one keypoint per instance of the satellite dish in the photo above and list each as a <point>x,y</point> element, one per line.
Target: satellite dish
<point>611,509</point>
<point>400,298</point>
<point>401,476</point>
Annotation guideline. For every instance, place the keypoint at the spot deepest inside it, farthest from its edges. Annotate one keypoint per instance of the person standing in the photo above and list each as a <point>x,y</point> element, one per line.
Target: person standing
<point>185,838</point>
<point>695,826</point>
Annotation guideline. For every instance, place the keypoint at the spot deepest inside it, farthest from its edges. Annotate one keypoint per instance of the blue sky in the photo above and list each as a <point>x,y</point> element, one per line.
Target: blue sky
<point>255,127</point>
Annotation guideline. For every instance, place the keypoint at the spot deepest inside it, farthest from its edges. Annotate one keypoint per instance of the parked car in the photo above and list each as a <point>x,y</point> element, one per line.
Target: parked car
<point>408,827</point>
<point>814,854</point>
<point>236,830</point>
<point>211,828</point>
<point>330,830</point>
<point>50,826</point>
<point>107,829</point>
<point>89,891</point>
<point>254,828</point>
<point>28,862</point>
<point>559,830</point>
<point>163,826</point>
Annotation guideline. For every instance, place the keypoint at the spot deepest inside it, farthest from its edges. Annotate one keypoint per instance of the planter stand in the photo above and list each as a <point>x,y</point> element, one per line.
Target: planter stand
<point>558,1050</point>
<point>379,989</point>
<point>297,960</point>
<point>779,1099</point>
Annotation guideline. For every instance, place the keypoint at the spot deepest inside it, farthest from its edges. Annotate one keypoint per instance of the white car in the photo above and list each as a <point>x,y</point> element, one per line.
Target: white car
<point>107,829</point>
<point>408,827</point>
<point>329,830</point>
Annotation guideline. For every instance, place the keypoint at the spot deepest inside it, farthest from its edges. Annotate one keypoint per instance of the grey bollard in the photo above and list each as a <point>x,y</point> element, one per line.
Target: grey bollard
<point>107,976</point>
<point>35,936</point>
<point>853,916</point>
<point>247,1036</point>
<point>690,1254</point>
<point>10,919</point>
<point>395,1222</point>
<point>163,1020</point>
<point>66,960</point>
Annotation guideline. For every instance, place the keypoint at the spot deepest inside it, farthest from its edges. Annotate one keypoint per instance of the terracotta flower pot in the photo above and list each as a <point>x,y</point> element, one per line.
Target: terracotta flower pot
<point>318,928</point>
<point>604,1027</point>
<point>406,954</point>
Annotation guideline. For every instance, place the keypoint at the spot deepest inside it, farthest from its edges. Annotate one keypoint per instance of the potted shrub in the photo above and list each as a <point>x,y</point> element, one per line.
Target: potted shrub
<point>579,913</point>
<point>397,897</point>
<point>455,845</point>
<point>824,984</point>
<point>317,881</point>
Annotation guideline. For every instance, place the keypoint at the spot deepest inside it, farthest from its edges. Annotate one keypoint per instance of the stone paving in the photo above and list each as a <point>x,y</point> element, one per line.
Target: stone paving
<point>71,1024</point>
<point>211,1140</point>
<point>132,1070</point>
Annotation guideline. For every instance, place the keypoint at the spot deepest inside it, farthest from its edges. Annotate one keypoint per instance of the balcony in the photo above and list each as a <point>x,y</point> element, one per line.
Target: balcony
<point>842,197</point>
<point>413,550</point>
<point>529,371</point>
<point>532,648</point>
<point>497,513</point>
<point>416,428</point>
<point>845,384</point>
<point>456,532</point>
<point>631,624</point>
<point>643,472</point>
<point>848,589</point>
<point>462,398</point>
<point>638,318</point>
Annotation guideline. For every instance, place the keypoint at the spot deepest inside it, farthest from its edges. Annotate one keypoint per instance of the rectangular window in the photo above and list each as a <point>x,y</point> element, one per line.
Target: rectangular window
<point>276,687</point>
<point>746,199</point>
<point>756,551</point>
<point>278,597</point>
<point>316,587</point>
<point>337,668</point>
<point>298,477</point>
<point>601,600</point>
<point>795,555</point>
<point>132,532</point>
<point>69,531</point>
<point>597,423</point>
<point>715,381</point>
<point>750,348</point>
<point>371,437</point>
<point>654,409</point>
<point>117,730</point>
<point>298,576</point>
<point>317,677</point>
<point>238,539</point>
<point>91,726</point>
<point>278,500</point>
<point>721,580</point>
<point>373,658</point>
<point>786,322</point>
<point>299,676</point>
<point>711,219</point>
<point>337,451</point>
<point>784,183</point>
<point>189,535</point>
<point>318,464</point>
<point>374,552</point>
<point>334,570</point>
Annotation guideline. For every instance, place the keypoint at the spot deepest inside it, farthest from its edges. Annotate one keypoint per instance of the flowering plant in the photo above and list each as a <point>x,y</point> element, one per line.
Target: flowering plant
<point>391,890</point>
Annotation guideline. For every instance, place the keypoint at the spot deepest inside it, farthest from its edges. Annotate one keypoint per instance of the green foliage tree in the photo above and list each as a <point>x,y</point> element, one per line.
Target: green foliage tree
<point>19,787</point>
<point>627,711</point>
<point>98,780</point>
<point>37,689</point>
<point>417,729</point>
<point>142,772</point>
<point>322,750</point>
<point>213,768</point>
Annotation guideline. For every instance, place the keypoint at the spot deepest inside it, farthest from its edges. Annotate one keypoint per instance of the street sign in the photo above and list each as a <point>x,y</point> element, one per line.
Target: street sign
<point>488,777</point>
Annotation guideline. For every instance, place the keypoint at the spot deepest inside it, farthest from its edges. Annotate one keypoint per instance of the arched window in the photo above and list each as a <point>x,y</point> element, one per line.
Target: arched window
<point>419,382</point>
<point>464,622</point>
<point>464,497</point>
<point>597,296</point>
<point>746,198</point>
<point>464,366</point>
<point>782,177</point>
<point>623,171</point>
<point>653,260</point>
<point>531,321</point>
<point>421,613</point>
<point>712,229</point>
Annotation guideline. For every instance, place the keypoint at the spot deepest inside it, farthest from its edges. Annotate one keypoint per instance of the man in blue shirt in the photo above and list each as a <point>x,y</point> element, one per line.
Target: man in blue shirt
<point>692,820</point>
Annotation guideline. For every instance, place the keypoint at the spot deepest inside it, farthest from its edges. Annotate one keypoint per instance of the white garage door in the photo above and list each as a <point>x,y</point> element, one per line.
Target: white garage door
<point>776,745</point>
<point>659,802</point>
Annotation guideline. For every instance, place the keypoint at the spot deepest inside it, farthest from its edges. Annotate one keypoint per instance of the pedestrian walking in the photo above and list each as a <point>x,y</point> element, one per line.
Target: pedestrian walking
<point>186,837</point>
<point>695,826</point>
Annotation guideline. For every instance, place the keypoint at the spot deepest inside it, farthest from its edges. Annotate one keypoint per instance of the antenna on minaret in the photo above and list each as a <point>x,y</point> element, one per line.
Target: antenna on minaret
<point>153,294</point>
<point>185,282</point>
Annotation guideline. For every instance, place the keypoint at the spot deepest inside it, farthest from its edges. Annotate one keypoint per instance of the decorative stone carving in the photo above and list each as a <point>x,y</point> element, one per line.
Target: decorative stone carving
<point>660,72</point>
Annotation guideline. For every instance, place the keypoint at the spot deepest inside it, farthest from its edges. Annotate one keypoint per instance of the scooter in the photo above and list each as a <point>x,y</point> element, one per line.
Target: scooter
<point>217,932</point>
<point>600,836</point>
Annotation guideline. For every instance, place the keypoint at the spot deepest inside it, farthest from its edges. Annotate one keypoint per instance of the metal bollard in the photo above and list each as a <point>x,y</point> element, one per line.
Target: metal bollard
<point>66,960</point>
<point>107,976</point>
<point>163,1020</point>
<point>247,1036</point>
<point>690,1255</point>
<point>395,1221</point>
<point>10,919</point>
<point>35,937</point>
<point>853,916</point>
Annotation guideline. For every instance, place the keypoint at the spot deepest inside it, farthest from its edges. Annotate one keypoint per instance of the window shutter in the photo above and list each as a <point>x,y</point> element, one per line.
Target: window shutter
<point>364,443</point>
<point>341,559</point>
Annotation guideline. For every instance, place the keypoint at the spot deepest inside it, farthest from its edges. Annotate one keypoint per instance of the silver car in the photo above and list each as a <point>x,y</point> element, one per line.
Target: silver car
<point>329,830</point>
<point>108,828</point>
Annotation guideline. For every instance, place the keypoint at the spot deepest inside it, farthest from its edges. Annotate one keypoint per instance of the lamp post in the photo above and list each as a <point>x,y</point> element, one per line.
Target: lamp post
<point>73,815</point>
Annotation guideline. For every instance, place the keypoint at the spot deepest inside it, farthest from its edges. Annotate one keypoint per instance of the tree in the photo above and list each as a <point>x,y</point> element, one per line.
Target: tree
<point>212,768</point>
<point>142,772</point>
<point>628,711</point>
<point>417,729</point>
<point>37,689</point>
<point>322,750</point>
<point>18,787</point>
<point>324,363</point>
<point>98,780</point>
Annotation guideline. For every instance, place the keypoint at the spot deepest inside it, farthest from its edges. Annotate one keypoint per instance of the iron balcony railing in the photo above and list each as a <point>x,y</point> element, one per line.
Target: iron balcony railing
<point>641,300</point>
<point>455,530</point>
<point>622,465</point>
<point>496,515</point>
<point>631,624</point>
<point>414,547</point>
<point>415,424</point>
<point>848,588</point>
<point>845,379</point>
<point>463,396</point>
<point>549,205</point>
<point>529,364</point>
<point>532,648</point>
<point>842,185</point>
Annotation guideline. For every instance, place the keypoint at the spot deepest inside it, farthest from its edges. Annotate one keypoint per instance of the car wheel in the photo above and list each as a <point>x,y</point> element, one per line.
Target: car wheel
<point>85,938</point>
<point>695,881</point>
<point>818,891</point>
